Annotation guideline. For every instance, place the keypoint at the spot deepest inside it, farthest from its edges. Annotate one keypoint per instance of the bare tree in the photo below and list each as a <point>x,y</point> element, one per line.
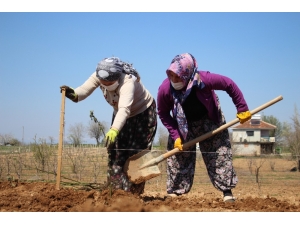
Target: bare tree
<point>250,164</point>
<point>95,160</point>
<point>52,166</point>
<point>236,148</point>
<point>291,133</point>
<point>77,157</point>
<point>76,134</point>
<point>51,140</point>
<point>2,166</point>
<point>17,163</point>
<point>42,153</point>
<point>258,164</point>
<point>96,129</point>
<point>163,137</point>
<point>6,139</point>
<point>8,162</point>
<point>277,133</point>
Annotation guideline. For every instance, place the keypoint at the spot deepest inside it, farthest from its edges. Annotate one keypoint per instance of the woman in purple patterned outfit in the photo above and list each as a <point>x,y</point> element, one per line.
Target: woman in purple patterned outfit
<point>189,94</point>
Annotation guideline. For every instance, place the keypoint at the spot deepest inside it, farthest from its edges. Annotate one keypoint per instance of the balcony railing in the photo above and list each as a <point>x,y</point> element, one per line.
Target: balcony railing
<point>255,139</point>
<point>267,139</point>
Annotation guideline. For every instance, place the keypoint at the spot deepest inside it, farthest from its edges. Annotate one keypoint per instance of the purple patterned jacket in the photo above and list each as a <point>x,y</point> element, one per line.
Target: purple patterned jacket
<point>206,95</point>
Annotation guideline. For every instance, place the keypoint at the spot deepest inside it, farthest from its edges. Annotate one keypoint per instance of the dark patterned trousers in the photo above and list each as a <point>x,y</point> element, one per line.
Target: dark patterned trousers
<point>216,153</point>
<point>136,135</point>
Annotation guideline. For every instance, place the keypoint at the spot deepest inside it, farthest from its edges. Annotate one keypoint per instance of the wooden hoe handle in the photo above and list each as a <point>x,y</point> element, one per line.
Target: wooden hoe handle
<point>225,126</point>
<point>61,132</point>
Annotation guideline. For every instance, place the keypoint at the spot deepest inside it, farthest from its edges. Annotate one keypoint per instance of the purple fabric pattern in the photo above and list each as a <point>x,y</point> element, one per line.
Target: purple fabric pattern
<point>185,66</point>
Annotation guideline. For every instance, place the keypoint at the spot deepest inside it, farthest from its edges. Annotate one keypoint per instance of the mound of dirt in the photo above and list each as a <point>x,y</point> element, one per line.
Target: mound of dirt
<point>43,197</point>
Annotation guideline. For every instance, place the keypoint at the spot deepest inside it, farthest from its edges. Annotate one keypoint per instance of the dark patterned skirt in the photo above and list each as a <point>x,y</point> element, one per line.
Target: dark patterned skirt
<point>137,134</point>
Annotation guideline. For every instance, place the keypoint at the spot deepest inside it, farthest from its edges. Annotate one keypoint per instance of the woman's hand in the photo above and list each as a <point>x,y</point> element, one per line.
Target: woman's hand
<point>244,116</point>
<point>178,144</point>
<point>111,136</point>
<point>70,93</point>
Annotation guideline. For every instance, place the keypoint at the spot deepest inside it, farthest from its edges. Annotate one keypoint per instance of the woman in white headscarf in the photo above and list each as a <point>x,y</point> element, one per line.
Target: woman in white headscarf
<point>134,119</point>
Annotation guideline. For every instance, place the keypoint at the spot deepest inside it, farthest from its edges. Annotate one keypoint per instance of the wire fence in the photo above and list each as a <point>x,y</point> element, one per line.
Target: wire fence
<point>82,165</point>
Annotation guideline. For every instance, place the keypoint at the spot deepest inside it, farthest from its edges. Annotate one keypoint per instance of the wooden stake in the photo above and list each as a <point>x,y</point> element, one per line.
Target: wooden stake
<point>61,134</point>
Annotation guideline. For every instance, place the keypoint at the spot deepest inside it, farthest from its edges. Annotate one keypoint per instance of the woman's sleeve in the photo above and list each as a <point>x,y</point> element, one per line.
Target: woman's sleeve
<point>219,82</point>
<point>164,107</point>
<point>87,88</point>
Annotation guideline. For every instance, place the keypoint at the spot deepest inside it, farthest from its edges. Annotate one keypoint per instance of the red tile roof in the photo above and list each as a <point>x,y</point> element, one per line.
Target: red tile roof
<point>262,126</point>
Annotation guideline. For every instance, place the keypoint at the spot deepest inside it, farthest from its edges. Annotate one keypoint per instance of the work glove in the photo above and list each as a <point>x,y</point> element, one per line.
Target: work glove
<point>111,136</point>
<point>178,144</point>
<point>70,93</point>
<point>244,116</point>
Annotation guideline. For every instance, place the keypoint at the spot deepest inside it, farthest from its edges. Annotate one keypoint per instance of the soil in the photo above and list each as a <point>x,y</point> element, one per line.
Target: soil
<point>265,185</point>
<point>43,197</point>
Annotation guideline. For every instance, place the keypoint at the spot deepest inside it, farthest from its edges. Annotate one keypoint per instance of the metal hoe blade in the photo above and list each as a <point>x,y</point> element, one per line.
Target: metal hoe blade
<point>133,169</point>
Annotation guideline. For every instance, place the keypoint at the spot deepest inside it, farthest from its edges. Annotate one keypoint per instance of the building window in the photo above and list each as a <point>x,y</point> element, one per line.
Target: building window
<point>250,133</point>
<point>255,122</point>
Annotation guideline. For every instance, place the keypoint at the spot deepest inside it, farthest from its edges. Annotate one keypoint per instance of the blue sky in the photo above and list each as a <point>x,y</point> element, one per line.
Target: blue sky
<point>42,51</point>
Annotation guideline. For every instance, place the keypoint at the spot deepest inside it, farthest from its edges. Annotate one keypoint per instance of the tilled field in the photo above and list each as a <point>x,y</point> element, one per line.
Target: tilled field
<point>43,197</point>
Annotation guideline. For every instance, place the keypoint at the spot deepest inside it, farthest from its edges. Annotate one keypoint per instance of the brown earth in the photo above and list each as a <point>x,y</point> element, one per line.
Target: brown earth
<point>274,189</point>
<point>43,197</point>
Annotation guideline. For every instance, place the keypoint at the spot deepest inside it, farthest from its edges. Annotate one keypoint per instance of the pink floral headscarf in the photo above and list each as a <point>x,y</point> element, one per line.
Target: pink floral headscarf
<point>185,66</point>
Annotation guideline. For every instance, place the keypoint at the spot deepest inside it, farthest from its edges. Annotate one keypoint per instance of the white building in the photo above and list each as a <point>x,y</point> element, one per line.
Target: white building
<point>252,137</point>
